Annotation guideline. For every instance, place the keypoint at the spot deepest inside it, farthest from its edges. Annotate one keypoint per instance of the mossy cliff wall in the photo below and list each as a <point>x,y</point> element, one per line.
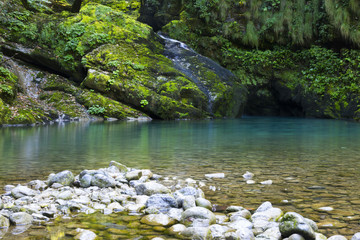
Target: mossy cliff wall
<point>101,60</point>
<point>297,58</point>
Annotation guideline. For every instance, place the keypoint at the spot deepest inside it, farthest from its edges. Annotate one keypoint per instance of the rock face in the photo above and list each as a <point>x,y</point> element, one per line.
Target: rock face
<point>111,76</point>
<point>64,178</point>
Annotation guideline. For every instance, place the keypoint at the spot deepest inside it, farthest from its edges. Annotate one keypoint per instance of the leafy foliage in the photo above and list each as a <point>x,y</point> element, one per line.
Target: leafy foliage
<point>96,110</point>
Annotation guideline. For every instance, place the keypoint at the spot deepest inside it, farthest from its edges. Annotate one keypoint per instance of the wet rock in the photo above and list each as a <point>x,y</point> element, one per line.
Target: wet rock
<point>188,202</point>
<point>240,214</point>
<point>150,188</point>
<point>21,218</point>
<point>320,236</point>
<point>161,201</point>
<point>216,231</point>
<point>115,207</point>
<point>176,229</point>
<point>22,191</point>
<point>102,181</point>
<point>270,234</point>
<point>189,191</point>
<point>316,187</point>
<point>132,207</point>
<point>234,209</point>
<point>197,213</point>
<point>64,178</point>
<point>242,233</point>
<point>66,195</point>
<point>356,236</point>
<point>37,185</point>
<point>122,168</point>
<point>240,223</point>
<point>326,209</point>
<point>312,224</point>
<point>250,182</point>
<point>202,202</point>
<point>158,220</point>
<point>195,232</point>
<point>85,234</point>
<point>133,175</point>
<point>4,222</point>
<point>294,223</point>
<point>296,237</point>
<point>271,214</point>
<point>215,175</point>
<point>337,237</point>
<point>175,213</point>
<point>85,181</point>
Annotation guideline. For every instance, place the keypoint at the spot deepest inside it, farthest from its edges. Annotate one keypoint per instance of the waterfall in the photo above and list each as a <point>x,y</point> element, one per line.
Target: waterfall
<point>29,78</point>
<point>193,65</point>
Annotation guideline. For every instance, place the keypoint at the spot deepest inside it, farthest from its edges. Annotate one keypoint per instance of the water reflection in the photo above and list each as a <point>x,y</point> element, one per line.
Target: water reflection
<point>310,151</point>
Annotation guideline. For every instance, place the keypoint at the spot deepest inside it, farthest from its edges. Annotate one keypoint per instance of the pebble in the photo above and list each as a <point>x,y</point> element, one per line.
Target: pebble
<point>186,205</point>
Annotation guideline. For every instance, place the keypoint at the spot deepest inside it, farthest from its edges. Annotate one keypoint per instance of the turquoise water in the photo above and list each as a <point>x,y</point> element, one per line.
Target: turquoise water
<point>294,153</point>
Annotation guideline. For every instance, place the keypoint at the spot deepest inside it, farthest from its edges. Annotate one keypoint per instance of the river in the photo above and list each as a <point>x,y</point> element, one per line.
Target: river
<point>312,163</point>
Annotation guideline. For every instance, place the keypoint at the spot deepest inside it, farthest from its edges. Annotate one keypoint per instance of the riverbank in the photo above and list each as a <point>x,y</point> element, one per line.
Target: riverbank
<point>160,207</point>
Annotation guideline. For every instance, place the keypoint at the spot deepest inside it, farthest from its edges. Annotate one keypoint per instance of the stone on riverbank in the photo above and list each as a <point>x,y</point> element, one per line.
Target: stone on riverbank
<point>4,222</point>
<point>85,234</point>
<point>150,188</point>
<point>65,178</point>
<point>295,223</point>
<point>21,218</point>
<point>22,191</point>
<point>198,216</point>
<point>158,220</point>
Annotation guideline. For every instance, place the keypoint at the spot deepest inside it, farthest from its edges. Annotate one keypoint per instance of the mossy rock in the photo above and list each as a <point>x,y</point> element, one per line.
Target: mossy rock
<point>8,85</point>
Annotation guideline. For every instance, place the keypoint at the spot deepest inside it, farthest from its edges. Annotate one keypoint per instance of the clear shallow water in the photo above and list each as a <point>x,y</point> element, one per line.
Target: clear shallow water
<point>294,153</point>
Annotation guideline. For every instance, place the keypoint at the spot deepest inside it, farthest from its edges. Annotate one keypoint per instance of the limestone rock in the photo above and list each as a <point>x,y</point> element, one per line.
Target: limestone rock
<point>4,222</point>
<point>161,201</point>
<point>292,223</point>
<point>65,178</point>
<point>21,191</point>
<point>157,220</point>
<point>202,202</point>
<point>21,218</point>
<point>150,188</point>
<point>200,213</point>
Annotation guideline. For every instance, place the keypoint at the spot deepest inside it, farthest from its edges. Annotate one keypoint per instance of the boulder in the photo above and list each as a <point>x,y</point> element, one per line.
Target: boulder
<point>22,191</point>
<point>161,201</point>
<point>198,213</point>
<point>202,202</point>
<point>188,202</point>
<point>4,222</point>
<point>292,223</point>
<point>176,229</point>
<point>21,218</point>
<point>271,234</point>
<point>216,231</point>
<point>356,236</point>
<point>186,191</point>
<point>150,188</point>
<point>195,233</point>
<point>65,178</point>
<point>102,181</point>
<point>157,220</point>
<point>240,223</point>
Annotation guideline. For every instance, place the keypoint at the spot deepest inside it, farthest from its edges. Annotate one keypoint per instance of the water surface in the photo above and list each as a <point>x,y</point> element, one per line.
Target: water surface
<point>296,154</point>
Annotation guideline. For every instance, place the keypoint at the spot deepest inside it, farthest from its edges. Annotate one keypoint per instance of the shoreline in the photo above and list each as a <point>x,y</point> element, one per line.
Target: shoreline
<point>179,211</point>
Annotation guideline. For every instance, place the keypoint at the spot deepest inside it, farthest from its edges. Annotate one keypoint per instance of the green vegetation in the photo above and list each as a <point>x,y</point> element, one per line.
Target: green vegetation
<point>96,110</point>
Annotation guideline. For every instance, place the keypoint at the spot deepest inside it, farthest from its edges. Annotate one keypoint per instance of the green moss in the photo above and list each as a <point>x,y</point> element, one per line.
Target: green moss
<point>8,85</point>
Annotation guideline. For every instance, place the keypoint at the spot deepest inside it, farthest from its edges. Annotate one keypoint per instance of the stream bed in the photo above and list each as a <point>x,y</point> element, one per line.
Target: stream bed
<point>312,164</point>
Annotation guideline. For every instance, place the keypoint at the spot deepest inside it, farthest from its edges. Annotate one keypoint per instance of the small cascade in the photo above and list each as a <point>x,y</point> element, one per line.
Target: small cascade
<point>29,78</point>
<point>193,65</point>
